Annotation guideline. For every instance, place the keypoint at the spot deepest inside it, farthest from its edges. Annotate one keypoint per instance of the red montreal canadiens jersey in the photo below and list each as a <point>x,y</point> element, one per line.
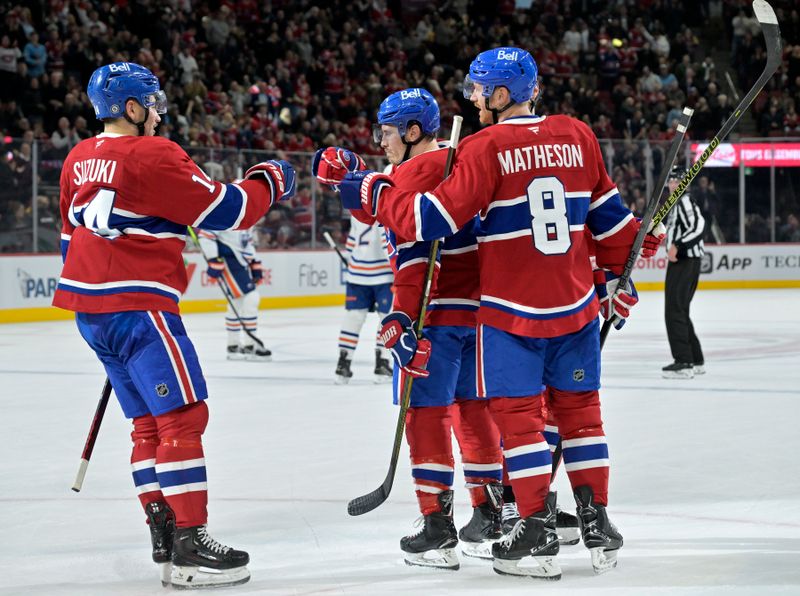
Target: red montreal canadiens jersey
<point>455,294</point>
<point>125,204</point>
<point>537,182</point>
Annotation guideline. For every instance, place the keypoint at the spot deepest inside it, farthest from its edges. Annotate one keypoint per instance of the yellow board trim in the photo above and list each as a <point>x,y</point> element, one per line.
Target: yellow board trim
<point>740,284</point>
<point>50,313</point>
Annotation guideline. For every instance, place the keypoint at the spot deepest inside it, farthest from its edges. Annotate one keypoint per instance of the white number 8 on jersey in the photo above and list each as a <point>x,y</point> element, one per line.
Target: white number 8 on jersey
<point>549,224</point>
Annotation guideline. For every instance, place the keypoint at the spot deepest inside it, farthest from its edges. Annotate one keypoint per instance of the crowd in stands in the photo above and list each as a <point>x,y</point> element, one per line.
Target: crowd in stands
<point>293,75</point>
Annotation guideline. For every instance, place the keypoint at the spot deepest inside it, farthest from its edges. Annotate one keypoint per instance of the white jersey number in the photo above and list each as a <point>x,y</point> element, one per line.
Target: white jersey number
<point>549,224</point>
<point>98,212</point>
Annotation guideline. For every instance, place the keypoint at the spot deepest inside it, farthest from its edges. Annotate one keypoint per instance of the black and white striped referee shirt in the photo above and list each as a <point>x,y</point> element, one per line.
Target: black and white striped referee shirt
<point>685,227</point>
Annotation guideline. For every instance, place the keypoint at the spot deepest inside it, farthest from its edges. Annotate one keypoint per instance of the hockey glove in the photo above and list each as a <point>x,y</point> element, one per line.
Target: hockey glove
<point>398,336</point>
<point>361,190</point>
<point>256,272</point>
<point>330,165</point>
<point>622,300</point>
<point>653,240</point>
<point>280,175</point>
<point>215,267</point>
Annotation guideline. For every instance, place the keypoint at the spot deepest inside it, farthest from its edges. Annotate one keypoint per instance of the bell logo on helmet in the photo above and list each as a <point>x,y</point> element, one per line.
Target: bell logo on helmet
<point>121,67</point>
<point>410,94</point>
<point>503,55</point>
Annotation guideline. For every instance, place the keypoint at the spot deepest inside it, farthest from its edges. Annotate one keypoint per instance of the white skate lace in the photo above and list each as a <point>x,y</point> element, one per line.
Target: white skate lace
<point>519,527</point>
<point>210,543</point>
<point>509,511</point>
<point>417,524</point>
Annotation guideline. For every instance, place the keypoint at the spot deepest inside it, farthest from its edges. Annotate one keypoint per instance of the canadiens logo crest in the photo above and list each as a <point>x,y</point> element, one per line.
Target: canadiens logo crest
<point>578,375</point>
<point>162,390</point>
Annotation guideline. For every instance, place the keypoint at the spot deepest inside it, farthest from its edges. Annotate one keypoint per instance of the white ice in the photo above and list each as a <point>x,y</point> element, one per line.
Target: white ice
<point>705,485</point>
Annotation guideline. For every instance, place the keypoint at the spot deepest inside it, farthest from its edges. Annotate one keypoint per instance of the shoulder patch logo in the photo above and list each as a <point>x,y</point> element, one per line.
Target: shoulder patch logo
<point>162,390</point>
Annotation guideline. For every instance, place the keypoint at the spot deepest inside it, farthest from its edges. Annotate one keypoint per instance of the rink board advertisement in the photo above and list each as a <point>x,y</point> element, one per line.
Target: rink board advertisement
<point>291,279</point>
<point>315,278</point>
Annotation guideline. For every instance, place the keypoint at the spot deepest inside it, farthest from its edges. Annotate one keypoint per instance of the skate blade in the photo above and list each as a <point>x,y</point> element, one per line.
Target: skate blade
<point>671,374</point>
<point>603,560</point>
<point>546,568</point>
<point>194,578</point>
<point>254,358</point>
<point>340,380</point>
<point>441,558</point>
<point>382,379</point>
<point>235,356</point>
<point>568,536</point>
<point>165,571</point>
<point>478,550</point>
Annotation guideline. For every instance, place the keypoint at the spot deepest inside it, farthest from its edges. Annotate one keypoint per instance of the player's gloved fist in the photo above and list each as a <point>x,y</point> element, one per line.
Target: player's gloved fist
<point>280,175</point>
<point>615,302</point>
<point>215,267</point>
<point>256,272</point>
<point>330,165</point>
<point>361,190</point>
<point>398,336</point>
<point>653,240</point>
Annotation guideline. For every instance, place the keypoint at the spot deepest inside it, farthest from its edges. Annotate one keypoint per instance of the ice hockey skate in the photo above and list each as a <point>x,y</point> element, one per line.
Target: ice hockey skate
<point>485,527</point>
<point>530,549</point>
<point>199,561</point>
<point>678,370</point>
<point>434,545</point>
<point>235,352</point>
<point>255,353</point>
<point>599,535</point>
<point>699,369</point>
<point>161,522</point>
<point>343,372</point>
<point>383,370</point>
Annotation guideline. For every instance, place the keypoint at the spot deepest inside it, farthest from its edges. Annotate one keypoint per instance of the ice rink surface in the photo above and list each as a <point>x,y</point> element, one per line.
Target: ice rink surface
<point>705,482</point>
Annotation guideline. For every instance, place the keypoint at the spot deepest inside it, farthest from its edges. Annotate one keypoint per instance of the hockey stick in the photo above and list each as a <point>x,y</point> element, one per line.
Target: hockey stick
<point>669,161</point>
<point>368,502</point>
<point>91,439</point>
<point>332,244</point>
<point>226,291</point>
<point>772,37</point>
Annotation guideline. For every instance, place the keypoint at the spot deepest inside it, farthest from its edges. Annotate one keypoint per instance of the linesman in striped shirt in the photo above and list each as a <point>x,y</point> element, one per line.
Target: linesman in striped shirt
<point>685,227</point>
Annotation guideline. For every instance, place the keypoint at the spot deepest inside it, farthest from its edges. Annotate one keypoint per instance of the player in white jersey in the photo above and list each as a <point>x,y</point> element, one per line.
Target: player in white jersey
<point>232,262</point>
<point>368,281</point>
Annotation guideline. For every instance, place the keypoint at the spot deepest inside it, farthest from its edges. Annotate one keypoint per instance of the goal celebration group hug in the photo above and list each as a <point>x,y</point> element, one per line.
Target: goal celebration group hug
<point>531,237</point>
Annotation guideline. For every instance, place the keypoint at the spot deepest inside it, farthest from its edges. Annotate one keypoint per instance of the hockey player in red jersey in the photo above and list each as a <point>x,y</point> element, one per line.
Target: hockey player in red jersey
<point>127,197</point>
<point>407,124</point>
<point>537,182</point>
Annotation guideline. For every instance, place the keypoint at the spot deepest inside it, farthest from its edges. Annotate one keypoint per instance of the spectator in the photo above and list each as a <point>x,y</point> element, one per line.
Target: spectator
<point>35,56</point>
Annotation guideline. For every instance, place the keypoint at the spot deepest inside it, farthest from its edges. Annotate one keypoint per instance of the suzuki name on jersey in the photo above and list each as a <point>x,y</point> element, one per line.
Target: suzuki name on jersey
<point>540,156</point>
<point>94,170</point>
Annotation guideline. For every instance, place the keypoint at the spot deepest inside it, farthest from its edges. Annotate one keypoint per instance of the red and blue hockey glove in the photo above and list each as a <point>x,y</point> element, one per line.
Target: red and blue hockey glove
<point>361,190</point>
<point>622,300</point>
<point>331,165</point>
<point>280,175</point>
<point>398,336</point>
<point>256,272</point>
<point>216,267</point>
<point>653,240</point>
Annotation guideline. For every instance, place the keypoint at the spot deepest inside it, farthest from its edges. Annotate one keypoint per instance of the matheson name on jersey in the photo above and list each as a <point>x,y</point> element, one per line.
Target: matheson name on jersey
<point>94,170</point>
<point>540,156</point>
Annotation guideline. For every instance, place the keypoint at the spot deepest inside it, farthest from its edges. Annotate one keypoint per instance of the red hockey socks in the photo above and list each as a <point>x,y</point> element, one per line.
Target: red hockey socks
<point>143,459</point>
<point>527,454</point>
<point>479,441</point>
<point>428,435</point>
<point>583,440</point>
<point>180,466</point>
